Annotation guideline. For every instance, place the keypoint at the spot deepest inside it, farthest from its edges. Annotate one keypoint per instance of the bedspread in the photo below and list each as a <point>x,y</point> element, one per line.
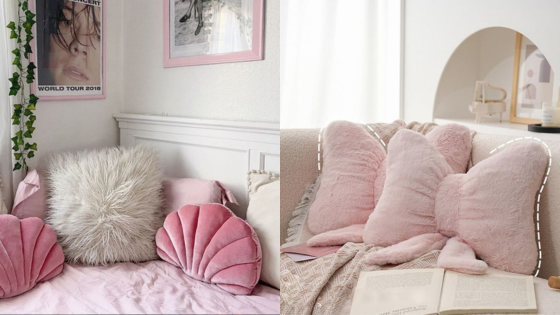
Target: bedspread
<point>154,287</point>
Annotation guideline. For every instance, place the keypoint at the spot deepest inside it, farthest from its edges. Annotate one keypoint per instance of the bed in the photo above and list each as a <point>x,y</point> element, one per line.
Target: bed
<point>217,150</point>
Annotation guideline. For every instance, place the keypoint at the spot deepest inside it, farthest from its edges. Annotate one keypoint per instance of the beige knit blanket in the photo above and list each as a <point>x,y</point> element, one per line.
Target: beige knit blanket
<point>326,285</point>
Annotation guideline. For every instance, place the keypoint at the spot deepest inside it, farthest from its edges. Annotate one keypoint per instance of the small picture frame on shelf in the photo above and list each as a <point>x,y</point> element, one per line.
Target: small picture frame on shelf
<point>198,32</point>
<point>533,82</point>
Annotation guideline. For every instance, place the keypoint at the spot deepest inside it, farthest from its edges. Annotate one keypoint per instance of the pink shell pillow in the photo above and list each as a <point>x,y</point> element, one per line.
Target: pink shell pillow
<point>28,254</point>
<point>31,197</point>
<point>354,172</point>
<point>178,192</point>
<point>490,207</point>
<point>212,245</point>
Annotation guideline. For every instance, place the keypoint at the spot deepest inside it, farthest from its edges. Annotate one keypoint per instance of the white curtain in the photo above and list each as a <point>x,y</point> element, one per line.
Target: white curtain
<point>7,14</point>
<point>340,59</point>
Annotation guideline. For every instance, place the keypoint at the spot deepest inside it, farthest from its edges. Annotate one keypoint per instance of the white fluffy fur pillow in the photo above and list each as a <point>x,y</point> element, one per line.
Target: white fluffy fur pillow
<point>105,205</point>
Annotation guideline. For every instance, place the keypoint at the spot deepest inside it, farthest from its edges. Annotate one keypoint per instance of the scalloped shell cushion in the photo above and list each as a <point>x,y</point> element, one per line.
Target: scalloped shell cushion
<point>212,245</point>
<point>29,254</point>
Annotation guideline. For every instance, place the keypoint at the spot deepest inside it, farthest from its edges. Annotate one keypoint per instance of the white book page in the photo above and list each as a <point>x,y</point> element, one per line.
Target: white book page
<point>487,293</point>
<point>398,292</point>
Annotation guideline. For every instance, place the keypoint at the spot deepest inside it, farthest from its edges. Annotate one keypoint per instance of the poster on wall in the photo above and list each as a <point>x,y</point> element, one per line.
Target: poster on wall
<point>533,82</point>
<point>198,32</point>
<point>69,49</point>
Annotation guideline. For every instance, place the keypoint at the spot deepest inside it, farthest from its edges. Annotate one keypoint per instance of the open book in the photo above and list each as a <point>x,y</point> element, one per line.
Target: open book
<point>435,291</point>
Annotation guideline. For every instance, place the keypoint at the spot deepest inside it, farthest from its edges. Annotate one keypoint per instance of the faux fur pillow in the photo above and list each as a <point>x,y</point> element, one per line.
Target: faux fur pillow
<point>354,176</point>
<point>105,205</point>
<point>490,208</point>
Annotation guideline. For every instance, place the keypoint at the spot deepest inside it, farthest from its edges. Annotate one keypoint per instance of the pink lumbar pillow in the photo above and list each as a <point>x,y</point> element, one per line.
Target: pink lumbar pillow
<point>354,176</point>
<point>178,192</point>
<point>487,212</point>
<point>212,245</point>
<point>31,197</point>
<point>28,254</point>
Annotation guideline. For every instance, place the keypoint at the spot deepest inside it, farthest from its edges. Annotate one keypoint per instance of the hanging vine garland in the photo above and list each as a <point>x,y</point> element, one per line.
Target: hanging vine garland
<point>23,116</point>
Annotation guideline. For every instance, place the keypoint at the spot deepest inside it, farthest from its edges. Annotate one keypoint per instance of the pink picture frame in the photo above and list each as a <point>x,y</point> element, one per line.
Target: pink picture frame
<point>254,54</point>
<point>34,86</point>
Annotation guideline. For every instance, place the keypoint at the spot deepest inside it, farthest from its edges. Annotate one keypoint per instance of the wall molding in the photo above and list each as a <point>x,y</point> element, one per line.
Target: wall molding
<point>208,149</point>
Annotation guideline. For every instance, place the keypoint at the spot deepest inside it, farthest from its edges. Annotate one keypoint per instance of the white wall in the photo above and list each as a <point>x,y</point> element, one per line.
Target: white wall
<point>484,56</point>
<point>435,28</point>
<point>77,125</point>
<point>247,91</point>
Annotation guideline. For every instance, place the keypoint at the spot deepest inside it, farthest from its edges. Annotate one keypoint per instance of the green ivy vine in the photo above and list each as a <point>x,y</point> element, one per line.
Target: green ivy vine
<point>24,117</point>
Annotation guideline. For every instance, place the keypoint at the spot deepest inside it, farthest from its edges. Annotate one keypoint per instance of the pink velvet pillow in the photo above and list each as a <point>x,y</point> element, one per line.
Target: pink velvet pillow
<point>31,197</point>
<point>212,245</point>
<point>28,254</point>
<point>178,192</point>
<point>354,172</point>
<point>490,208</point>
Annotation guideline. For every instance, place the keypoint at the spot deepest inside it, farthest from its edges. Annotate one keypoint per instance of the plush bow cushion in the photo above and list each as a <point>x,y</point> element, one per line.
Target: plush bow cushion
<point>28,254</point>
<point>212,245</point>
<point>354,174</point>
<point>490,208</point>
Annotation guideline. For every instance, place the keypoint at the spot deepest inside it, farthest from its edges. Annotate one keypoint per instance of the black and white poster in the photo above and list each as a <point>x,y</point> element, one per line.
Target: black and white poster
<point>69,49</point>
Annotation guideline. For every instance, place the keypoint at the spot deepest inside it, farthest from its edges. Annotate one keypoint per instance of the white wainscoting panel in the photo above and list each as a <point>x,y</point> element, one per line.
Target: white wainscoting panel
<point>207,149</point>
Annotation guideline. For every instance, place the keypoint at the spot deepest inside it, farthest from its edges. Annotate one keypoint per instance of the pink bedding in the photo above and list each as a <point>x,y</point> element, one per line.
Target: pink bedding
<point>154,287</point>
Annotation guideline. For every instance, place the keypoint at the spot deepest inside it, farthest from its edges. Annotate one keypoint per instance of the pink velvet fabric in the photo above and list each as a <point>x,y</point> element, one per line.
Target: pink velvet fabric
<point>212,245</point>
<point>354,171</point>
<point>31,197</point>
<point>28,254</point>
<point>178,192</point>
<point>490,208</point>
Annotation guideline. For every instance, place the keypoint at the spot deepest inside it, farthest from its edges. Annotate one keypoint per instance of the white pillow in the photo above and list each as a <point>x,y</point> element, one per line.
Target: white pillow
<point>105,205</point>
<point>263,215</point>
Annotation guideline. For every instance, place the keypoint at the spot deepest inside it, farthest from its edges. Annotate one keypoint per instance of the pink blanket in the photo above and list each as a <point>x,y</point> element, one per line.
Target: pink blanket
<point>154,287</point>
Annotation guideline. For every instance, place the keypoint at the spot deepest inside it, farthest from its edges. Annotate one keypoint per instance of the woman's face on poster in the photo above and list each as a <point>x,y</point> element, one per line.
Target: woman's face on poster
<point>80,62</point>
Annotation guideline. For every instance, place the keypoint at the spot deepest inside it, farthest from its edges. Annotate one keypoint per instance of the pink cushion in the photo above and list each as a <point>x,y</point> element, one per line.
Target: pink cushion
<point>354,172</point>
<point>28,254</point>
<point>31,197</point>
<point>490,208</point>
<point>178,192</point>
<point>212,245</point>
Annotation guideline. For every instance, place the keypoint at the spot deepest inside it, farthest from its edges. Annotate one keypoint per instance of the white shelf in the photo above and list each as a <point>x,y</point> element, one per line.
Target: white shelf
<point>504,128</point>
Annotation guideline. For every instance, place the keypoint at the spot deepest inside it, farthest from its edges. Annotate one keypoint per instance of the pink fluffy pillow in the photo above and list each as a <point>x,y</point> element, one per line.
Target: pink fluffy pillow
<point>31,197</point>
<point>212,245</point>
<point>178,192</point>
<point>28,254</point>
<point>490,208</point>
<point>354,172</point>
<point>351,160</point>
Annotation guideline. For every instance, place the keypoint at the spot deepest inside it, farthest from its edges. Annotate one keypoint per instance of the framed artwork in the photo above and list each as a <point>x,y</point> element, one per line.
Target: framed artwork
<point>533,82</point>
<point>201,32</point>
<point>69,49</point>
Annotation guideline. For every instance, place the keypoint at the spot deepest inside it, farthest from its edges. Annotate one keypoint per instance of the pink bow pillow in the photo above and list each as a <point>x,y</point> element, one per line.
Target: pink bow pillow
<point>28,254</point>
<point>354,172</point>
<point>490,207</point>
<point>212,245</point>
